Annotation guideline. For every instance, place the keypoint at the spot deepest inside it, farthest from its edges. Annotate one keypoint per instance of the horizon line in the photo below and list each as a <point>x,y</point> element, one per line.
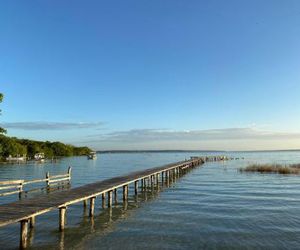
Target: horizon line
<point>185,150</point>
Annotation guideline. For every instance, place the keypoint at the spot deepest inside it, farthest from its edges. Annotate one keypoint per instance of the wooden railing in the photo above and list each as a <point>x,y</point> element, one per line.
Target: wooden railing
<point>17,186</point>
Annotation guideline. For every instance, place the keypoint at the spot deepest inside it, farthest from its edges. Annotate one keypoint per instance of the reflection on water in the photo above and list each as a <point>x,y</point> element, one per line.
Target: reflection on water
<point>211,207</point>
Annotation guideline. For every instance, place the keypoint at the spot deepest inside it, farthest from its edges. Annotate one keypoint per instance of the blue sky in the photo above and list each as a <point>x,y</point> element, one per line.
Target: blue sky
<point>152,74</point>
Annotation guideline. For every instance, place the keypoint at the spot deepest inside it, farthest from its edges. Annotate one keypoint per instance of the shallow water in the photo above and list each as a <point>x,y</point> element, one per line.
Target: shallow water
<point>211,207</point>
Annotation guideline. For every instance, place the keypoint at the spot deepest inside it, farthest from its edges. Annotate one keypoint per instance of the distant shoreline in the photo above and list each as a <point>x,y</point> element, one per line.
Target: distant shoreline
<point>193,151</point>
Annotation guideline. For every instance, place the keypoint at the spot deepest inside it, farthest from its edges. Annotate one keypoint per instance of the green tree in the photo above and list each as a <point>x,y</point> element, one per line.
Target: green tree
<point>11,146</point>
<point>2,130</point>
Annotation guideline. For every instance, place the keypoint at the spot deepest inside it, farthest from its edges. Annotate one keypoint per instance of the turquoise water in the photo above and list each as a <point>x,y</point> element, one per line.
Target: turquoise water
<point>212,207</point>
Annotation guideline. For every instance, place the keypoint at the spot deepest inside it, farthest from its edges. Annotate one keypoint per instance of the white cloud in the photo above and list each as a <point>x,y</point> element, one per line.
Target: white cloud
<point>42,125</point>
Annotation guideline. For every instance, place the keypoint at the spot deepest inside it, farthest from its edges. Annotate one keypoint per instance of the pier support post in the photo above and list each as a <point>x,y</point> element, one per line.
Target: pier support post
<point>84,203</point>
<point>109,198</point>
<point>32,222</point>
<point>103,200</point>
<point>115,195</point>
<point>23,233</point>
<point>62,218</point>
<point>136,185</point>
<point>157,179</point>
<point>125,192</point>
<point>162,177</point>
<point>92,206</point>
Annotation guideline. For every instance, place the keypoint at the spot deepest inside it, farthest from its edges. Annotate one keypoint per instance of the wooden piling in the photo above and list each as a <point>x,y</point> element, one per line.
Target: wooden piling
<point>92,206</point>
<point>103,200</point>
<point>85,203</point>
<point>115,195</point>
<point>136,185</point>
<point>125,192</point>
<point>23,234</point>
<point>62,218</point>
<point>32,222</point>
<point>109,198</point>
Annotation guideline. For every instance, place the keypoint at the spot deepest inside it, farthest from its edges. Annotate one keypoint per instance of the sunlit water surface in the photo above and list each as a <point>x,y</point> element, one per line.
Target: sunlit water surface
<point>212,207</point>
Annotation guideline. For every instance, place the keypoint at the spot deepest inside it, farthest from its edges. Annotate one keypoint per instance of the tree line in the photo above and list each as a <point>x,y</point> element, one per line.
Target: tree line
<point>14,146</point>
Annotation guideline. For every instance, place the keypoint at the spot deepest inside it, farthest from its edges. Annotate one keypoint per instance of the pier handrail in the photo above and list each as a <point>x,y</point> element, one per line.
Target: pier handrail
<point>17,186</point>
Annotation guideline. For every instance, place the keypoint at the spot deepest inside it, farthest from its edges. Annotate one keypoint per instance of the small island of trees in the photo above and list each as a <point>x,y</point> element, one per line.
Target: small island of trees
<point>12,146</point>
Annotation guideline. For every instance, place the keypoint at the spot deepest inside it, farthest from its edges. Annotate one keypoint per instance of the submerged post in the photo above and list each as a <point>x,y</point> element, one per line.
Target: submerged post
<point>23,233</point>
<point>62,217</point>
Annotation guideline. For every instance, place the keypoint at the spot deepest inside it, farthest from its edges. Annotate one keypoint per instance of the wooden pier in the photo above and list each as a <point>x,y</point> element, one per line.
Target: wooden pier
<point>25,211</point>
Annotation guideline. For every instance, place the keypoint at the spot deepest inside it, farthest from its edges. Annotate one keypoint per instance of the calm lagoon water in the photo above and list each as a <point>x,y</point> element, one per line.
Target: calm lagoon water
<point>211,207</point>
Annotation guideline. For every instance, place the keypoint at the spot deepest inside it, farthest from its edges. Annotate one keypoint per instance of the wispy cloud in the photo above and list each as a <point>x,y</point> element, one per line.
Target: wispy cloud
<point>41,125</point>
<point>248,138</point>
<point>210,134</point>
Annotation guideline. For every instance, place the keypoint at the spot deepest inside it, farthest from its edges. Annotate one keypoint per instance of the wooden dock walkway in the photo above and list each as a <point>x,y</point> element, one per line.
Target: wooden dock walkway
<point>25,211</point>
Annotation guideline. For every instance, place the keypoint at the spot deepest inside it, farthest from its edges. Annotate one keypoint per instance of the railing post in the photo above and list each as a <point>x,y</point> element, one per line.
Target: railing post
<point>23,233</point>
<point>20,189</point>
<point>69,173</point>
<point>47,179</point>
